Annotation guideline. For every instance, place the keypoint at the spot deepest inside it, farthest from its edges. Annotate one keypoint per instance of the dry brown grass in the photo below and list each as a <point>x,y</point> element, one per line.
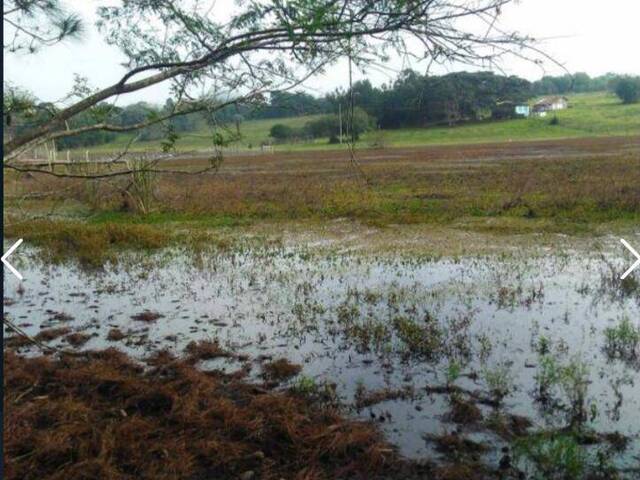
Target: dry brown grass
<point>104,417</point>
<point>454,444</point>
<point>367,398</point>
<point>115,335</point>
<point>567,182</point>
<point>205,350</point>
<point>77,339</point>
<point>51,334</point>
<point>464,411</point>
<point>280,370</point>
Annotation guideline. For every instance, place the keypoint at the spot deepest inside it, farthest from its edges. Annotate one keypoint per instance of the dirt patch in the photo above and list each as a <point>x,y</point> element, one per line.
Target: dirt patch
<point>105,417</point>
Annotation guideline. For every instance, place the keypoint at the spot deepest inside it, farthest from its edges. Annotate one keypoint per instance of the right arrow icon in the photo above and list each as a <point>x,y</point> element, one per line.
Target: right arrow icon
<point>636,254</point>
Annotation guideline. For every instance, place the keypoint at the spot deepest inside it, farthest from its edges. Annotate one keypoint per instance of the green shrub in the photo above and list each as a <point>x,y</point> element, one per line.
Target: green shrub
<point>628,89</point>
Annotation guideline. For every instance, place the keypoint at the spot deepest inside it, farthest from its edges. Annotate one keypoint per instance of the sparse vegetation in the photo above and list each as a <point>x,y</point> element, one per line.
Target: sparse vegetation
<point>555,457</point>
<point>623,340</point>
<point>499,381</point>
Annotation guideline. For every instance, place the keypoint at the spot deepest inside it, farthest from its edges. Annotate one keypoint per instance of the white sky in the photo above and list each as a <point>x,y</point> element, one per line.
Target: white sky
<point>585,35</point>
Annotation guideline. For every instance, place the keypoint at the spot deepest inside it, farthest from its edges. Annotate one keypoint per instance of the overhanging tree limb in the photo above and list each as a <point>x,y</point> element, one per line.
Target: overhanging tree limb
<point>271,38</point>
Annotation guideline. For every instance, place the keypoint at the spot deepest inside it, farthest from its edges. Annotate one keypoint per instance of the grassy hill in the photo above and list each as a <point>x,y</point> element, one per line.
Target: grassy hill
<point>593,114</point>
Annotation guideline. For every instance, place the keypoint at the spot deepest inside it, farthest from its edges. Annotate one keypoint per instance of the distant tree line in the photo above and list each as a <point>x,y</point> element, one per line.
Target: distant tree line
<point>412,100</point>
<point>122,116</point>
<point>574,83</point>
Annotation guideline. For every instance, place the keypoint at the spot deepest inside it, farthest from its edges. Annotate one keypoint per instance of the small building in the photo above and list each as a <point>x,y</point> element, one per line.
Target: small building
<point>550,104</point>
<point>523,110</point>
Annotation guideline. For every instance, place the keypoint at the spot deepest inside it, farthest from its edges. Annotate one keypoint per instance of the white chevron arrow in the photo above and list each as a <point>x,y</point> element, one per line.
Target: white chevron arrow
<point>7,264</point>
<point>636,254</point>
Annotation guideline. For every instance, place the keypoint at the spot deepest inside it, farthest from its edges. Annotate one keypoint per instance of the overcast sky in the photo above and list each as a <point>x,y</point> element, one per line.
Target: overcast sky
<point>585,35</point>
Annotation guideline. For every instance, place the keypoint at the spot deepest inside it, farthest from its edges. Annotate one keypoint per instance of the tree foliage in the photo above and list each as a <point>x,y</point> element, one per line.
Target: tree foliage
<point>573,83</point>
<point>33,24</point>
<point>271,45</point>
<point>422,100</point>
<point>628,89</point>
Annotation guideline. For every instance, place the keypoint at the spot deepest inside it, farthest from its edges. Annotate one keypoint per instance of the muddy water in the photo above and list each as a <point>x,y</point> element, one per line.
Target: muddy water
<point>344,318</point>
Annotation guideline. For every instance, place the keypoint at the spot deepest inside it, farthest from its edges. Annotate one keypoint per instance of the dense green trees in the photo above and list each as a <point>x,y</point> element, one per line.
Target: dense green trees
<point>418,100</point>
<point>290,104</point>
<point>573,83</point>
<point>628,89</point>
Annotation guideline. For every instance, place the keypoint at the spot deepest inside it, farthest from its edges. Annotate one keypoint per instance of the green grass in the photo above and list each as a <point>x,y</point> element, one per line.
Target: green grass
<point>589,115</point>
<point>253,133</point>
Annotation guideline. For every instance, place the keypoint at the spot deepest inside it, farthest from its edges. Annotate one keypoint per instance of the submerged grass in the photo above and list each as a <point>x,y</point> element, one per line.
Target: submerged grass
<point>623,340</point>
<point>92,245</point>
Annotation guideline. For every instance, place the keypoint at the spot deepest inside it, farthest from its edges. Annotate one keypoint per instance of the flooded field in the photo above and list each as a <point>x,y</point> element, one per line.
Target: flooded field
<point>450,356</point>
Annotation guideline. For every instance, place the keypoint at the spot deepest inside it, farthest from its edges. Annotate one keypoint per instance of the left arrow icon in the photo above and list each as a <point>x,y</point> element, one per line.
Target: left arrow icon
<point>7,264</point>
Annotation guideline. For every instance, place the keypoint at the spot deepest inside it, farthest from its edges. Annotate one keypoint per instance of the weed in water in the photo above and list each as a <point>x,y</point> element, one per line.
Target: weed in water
<point>499,380</point>
<point>623,340</point>
<point>551,457</point>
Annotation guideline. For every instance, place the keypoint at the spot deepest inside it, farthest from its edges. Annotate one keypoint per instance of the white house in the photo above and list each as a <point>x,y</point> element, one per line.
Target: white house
<point>550,104</point>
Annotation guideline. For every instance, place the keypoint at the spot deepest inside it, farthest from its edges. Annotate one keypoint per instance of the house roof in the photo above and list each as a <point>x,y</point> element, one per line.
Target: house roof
<point>550,100</point>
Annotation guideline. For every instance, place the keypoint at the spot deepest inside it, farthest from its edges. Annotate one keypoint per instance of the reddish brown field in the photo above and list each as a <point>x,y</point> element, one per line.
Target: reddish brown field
<point>566,184</point>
